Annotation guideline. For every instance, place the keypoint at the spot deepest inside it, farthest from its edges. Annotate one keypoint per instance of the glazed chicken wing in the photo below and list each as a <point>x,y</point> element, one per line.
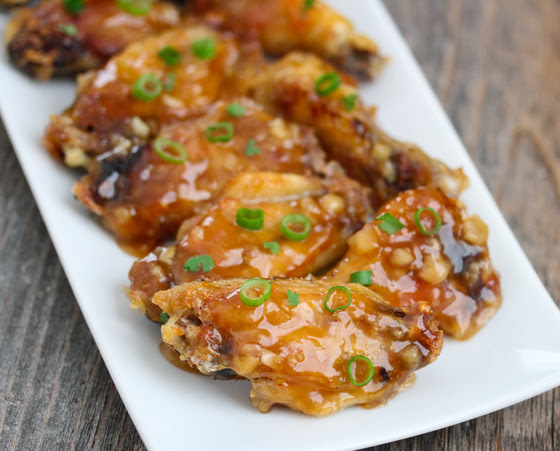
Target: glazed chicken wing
<point>293,350</point>
<point>48,39</point>
<point>143,193</point>
<point>335,207</point>
<point>125,103</point>
<point>347,130</point>
<point>448,266</point>
<point>286,25</point>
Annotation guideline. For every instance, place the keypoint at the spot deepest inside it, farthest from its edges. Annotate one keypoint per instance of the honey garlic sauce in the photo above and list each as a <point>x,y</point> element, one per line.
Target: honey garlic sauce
<point>298,355</point>
<point>451,269</point>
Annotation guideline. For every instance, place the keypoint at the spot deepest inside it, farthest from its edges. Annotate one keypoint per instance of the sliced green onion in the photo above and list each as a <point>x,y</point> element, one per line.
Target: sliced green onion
<point>250,219</point>
<point>170,55</point>
<point>308,4</point>
<point>389,223</point>
<point>252,149</point>
<point>74,6</point>
<point>163,318</point>
<point>205,49</point>
<point>272,246</point>
<point>327,83</point>
<point>328,297</point>
<point>236,110</point>
<point>198,263</point>
<point>170,80</point>
<point>362,277</point>
<point>252,288</point>
<point>147,87</point>
<point>418,222</point>
<point>349,101</point>
<point>135,7</point>
<point>296,227</point>
<point>371,370</point>
<point>221,132</point>
<point>170,151</point>
<point>293,298</point>
<point>69,29</point>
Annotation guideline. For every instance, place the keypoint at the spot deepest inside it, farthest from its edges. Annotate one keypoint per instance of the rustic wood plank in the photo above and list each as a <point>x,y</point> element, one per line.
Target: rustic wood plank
<point>494,67</point>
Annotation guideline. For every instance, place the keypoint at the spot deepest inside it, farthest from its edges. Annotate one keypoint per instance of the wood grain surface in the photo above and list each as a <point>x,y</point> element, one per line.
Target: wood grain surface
<point>495,66</point>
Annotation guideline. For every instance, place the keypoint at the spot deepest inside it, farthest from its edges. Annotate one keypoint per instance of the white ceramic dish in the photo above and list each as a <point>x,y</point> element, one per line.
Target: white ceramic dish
<point>515,357</point>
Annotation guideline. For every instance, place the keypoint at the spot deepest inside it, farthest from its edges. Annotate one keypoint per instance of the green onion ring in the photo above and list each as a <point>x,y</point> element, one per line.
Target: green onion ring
<point>135,7</point>
<point>371,370</point>
<point>434,213</point>
<point>364,278</point>
<point>289,221</point>
<point>327,83</point>
<point>262,284</point>
<point>250,219</point>
<point>147,88</point>
<point>170,55</point>
<point>205,49</point>
<point>180,154</point>
<point>221,132</point>
<point>346,291</point>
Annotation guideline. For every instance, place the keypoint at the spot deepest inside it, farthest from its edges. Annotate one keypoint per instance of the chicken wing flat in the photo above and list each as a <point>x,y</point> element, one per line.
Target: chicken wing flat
<point>286,25</point>
<point>125,103</point>
<point>347,131</point>
<point>215,246</point>
<point>48,39</point>
<point>439,256</point>
<point>144,193</point>
<point>294,351</point>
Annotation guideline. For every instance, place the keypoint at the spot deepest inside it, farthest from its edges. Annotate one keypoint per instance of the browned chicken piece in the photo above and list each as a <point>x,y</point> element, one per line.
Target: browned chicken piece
<point>215,246</point>
<point>283,26</point>
<point>144,193</point>
<point>292,87</point>
<point>305,356</point>
<point>50,39</point>
<point>448,266</point>
<point>125,104</point>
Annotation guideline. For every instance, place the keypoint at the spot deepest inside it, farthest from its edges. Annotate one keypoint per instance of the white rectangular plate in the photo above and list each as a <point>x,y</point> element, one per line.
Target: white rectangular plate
<point>515,357</point>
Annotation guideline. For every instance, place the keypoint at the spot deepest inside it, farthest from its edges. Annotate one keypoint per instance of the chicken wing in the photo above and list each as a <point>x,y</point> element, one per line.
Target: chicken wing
<point>335,207</point>
<point>347,130</point>
<point>286,25</point>
<point>143,195</point>
<point>293,350</point>
<point>447,265</point>
<point>48,39</point>
<point>125,103</point>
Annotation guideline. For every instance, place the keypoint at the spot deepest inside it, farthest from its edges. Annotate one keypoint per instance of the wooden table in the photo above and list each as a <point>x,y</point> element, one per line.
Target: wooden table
<point>495,67</point>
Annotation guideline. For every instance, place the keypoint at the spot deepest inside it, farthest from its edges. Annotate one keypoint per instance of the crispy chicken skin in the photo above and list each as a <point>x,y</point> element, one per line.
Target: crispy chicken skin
<point>286,25</point>
<point>337,207</point>
<point>39,45</point>
<point>143,199</point>
<point>451,270</point>
<point>107,116</point>
<point>298,356</point>
<point>350,136</point>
